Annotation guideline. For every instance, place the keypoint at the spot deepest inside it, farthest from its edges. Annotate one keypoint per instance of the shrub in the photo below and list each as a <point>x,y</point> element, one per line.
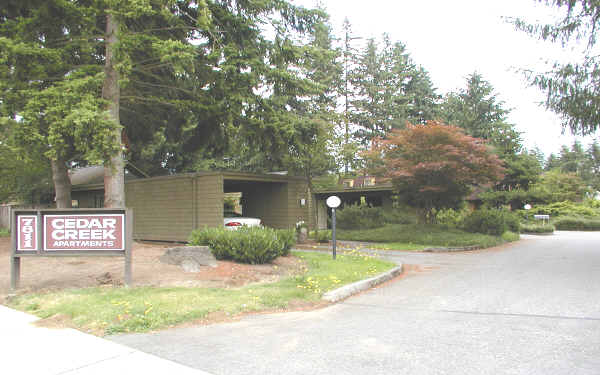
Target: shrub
<point>203,237</point>
<point>450,218</point>
<point>399,216</point>
<point>360,216</point>
<point>288,239</point>
<point>510,236</point>
<point>4,232</point>
<point>537,228</point>
<point>494,222</point>
<point>593,203</point>
<point>323,236</point>
<point>565,208</point>
<point>575,223</point>
<point>254,245</point>
<point>512,221</point>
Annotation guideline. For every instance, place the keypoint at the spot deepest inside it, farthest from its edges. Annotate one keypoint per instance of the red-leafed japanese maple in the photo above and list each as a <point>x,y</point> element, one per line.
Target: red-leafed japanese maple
<point>434,166</point>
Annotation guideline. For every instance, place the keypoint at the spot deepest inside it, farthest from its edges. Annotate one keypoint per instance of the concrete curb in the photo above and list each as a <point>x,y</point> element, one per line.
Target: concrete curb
<point>362,285</point>
<point>451,249</point>
<point>538,234</point>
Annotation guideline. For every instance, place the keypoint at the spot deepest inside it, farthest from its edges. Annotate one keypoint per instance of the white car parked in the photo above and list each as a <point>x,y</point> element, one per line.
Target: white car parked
<point>233,221</point>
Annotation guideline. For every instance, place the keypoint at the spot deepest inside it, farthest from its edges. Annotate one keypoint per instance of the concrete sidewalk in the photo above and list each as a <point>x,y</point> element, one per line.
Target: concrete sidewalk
<point>27,349</point>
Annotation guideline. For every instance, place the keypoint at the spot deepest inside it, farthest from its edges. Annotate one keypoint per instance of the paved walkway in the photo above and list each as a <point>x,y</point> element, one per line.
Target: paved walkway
<point>29,350</point>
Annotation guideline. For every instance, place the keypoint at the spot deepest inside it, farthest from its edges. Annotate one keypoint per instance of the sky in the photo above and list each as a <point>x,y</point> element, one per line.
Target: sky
<point>452,39</point>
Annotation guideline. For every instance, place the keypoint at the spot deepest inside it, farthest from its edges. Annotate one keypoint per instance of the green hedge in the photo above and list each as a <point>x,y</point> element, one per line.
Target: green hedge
<point>491,221</point>
<point>563,209</point>
<point>574,223</point>
<point>360,216</point>
<point>537,228</point>
<point>254,245</point>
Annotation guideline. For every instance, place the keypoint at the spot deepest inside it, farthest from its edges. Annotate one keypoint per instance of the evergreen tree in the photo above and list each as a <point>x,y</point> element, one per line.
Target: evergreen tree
<point>553,162</point>
<point>50,80</point>
<point>182,75</point>
<point>423,103</point>
<point>571,88</point>
<point>579,161</point>
<point>592,166</point>
<point>348,149</point>
<point>390,90</point>
<point>539,155</point>
<point>477,109</point>
<point>522,171</point>
<point>367,81</point>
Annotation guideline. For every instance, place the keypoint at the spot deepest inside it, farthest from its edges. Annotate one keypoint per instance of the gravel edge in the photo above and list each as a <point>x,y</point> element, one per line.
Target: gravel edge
<point>362,285</point>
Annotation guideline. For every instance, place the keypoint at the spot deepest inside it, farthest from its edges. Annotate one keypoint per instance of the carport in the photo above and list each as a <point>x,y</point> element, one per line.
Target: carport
<point>168,208</point>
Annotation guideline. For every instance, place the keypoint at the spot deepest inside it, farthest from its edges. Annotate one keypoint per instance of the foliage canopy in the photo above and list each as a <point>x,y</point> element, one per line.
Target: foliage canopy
<point>435,165</point>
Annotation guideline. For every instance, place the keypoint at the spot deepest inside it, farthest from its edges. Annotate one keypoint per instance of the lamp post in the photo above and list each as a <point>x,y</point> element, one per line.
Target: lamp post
<point>527,207</point>
<point>333,202</point>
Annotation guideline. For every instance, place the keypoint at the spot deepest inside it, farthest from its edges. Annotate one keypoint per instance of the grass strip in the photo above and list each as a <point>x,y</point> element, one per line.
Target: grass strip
<point>401,246</point>
<point>110,310</point>
<point>418,234</point>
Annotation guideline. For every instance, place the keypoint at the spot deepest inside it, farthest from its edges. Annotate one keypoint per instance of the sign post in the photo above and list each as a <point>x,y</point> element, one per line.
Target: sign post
<point>70,233</point>
<point>333,202</point>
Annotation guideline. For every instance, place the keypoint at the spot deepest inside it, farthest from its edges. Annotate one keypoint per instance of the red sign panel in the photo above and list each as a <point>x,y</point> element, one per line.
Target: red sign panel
<point>84,232</point>
<point>27,233</point>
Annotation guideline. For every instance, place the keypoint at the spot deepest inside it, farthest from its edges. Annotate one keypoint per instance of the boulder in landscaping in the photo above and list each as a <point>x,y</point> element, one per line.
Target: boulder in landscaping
<point>190,258</point>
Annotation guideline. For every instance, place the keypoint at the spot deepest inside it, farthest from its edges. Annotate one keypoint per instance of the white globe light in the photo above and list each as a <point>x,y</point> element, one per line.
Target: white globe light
<point>333,202</point>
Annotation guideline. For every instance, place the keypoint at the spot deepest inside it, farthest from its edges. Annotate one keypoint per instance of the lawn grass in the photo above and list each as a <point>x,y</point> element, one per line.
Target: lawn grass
<point>110,310</point>
<point>419,234</point>
<point>324,236</point>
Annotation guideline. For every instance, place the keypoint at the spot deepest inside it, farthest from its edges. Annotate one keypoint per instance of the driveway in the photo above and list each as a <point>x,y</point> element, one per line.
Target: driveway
<point>527,308</point>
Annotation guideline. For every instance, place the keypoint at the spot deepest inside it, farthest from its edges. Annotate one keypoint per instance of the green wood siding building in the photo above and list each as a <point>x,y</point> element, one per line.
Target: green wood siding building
<point>168,208</point>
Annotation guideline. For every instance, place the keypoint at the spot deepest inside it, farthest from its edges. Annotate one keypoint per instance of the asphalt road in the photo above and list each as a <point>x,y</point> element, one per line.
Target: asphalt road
<point>527,308</point>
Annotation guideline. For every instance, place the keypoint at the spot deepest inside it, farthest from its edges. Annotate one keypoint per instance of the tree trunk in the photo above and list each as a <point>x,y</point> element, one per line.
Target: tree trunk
<point>62,183</point>
<point>314,204</point>
<point>114,174</point>
<point>316,211</point>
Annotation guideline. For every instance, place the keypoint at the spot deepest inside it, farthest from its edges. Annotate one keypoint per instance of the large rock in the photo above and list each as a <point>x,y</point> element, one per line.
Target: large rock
<point>190,258</point>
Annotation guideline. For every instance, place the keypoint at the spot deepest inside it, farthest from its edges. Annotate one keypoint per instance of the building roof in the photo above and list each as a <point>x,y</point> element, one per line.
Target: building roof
<point>94,174</point>
<point>95,180</point>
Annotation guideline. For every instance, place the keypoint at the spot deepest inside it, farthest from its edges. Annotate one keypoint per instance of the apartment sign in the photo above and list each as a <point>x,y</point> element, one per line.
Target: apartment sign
<point>70,233</point>
<point>84,232</point>
<point>27,236</point>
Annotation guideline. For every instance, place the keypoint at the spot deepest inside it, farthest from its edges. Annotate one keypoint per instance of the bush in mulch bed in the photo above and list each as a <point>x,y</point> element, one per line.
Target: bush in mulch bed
<point>254,245</point>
